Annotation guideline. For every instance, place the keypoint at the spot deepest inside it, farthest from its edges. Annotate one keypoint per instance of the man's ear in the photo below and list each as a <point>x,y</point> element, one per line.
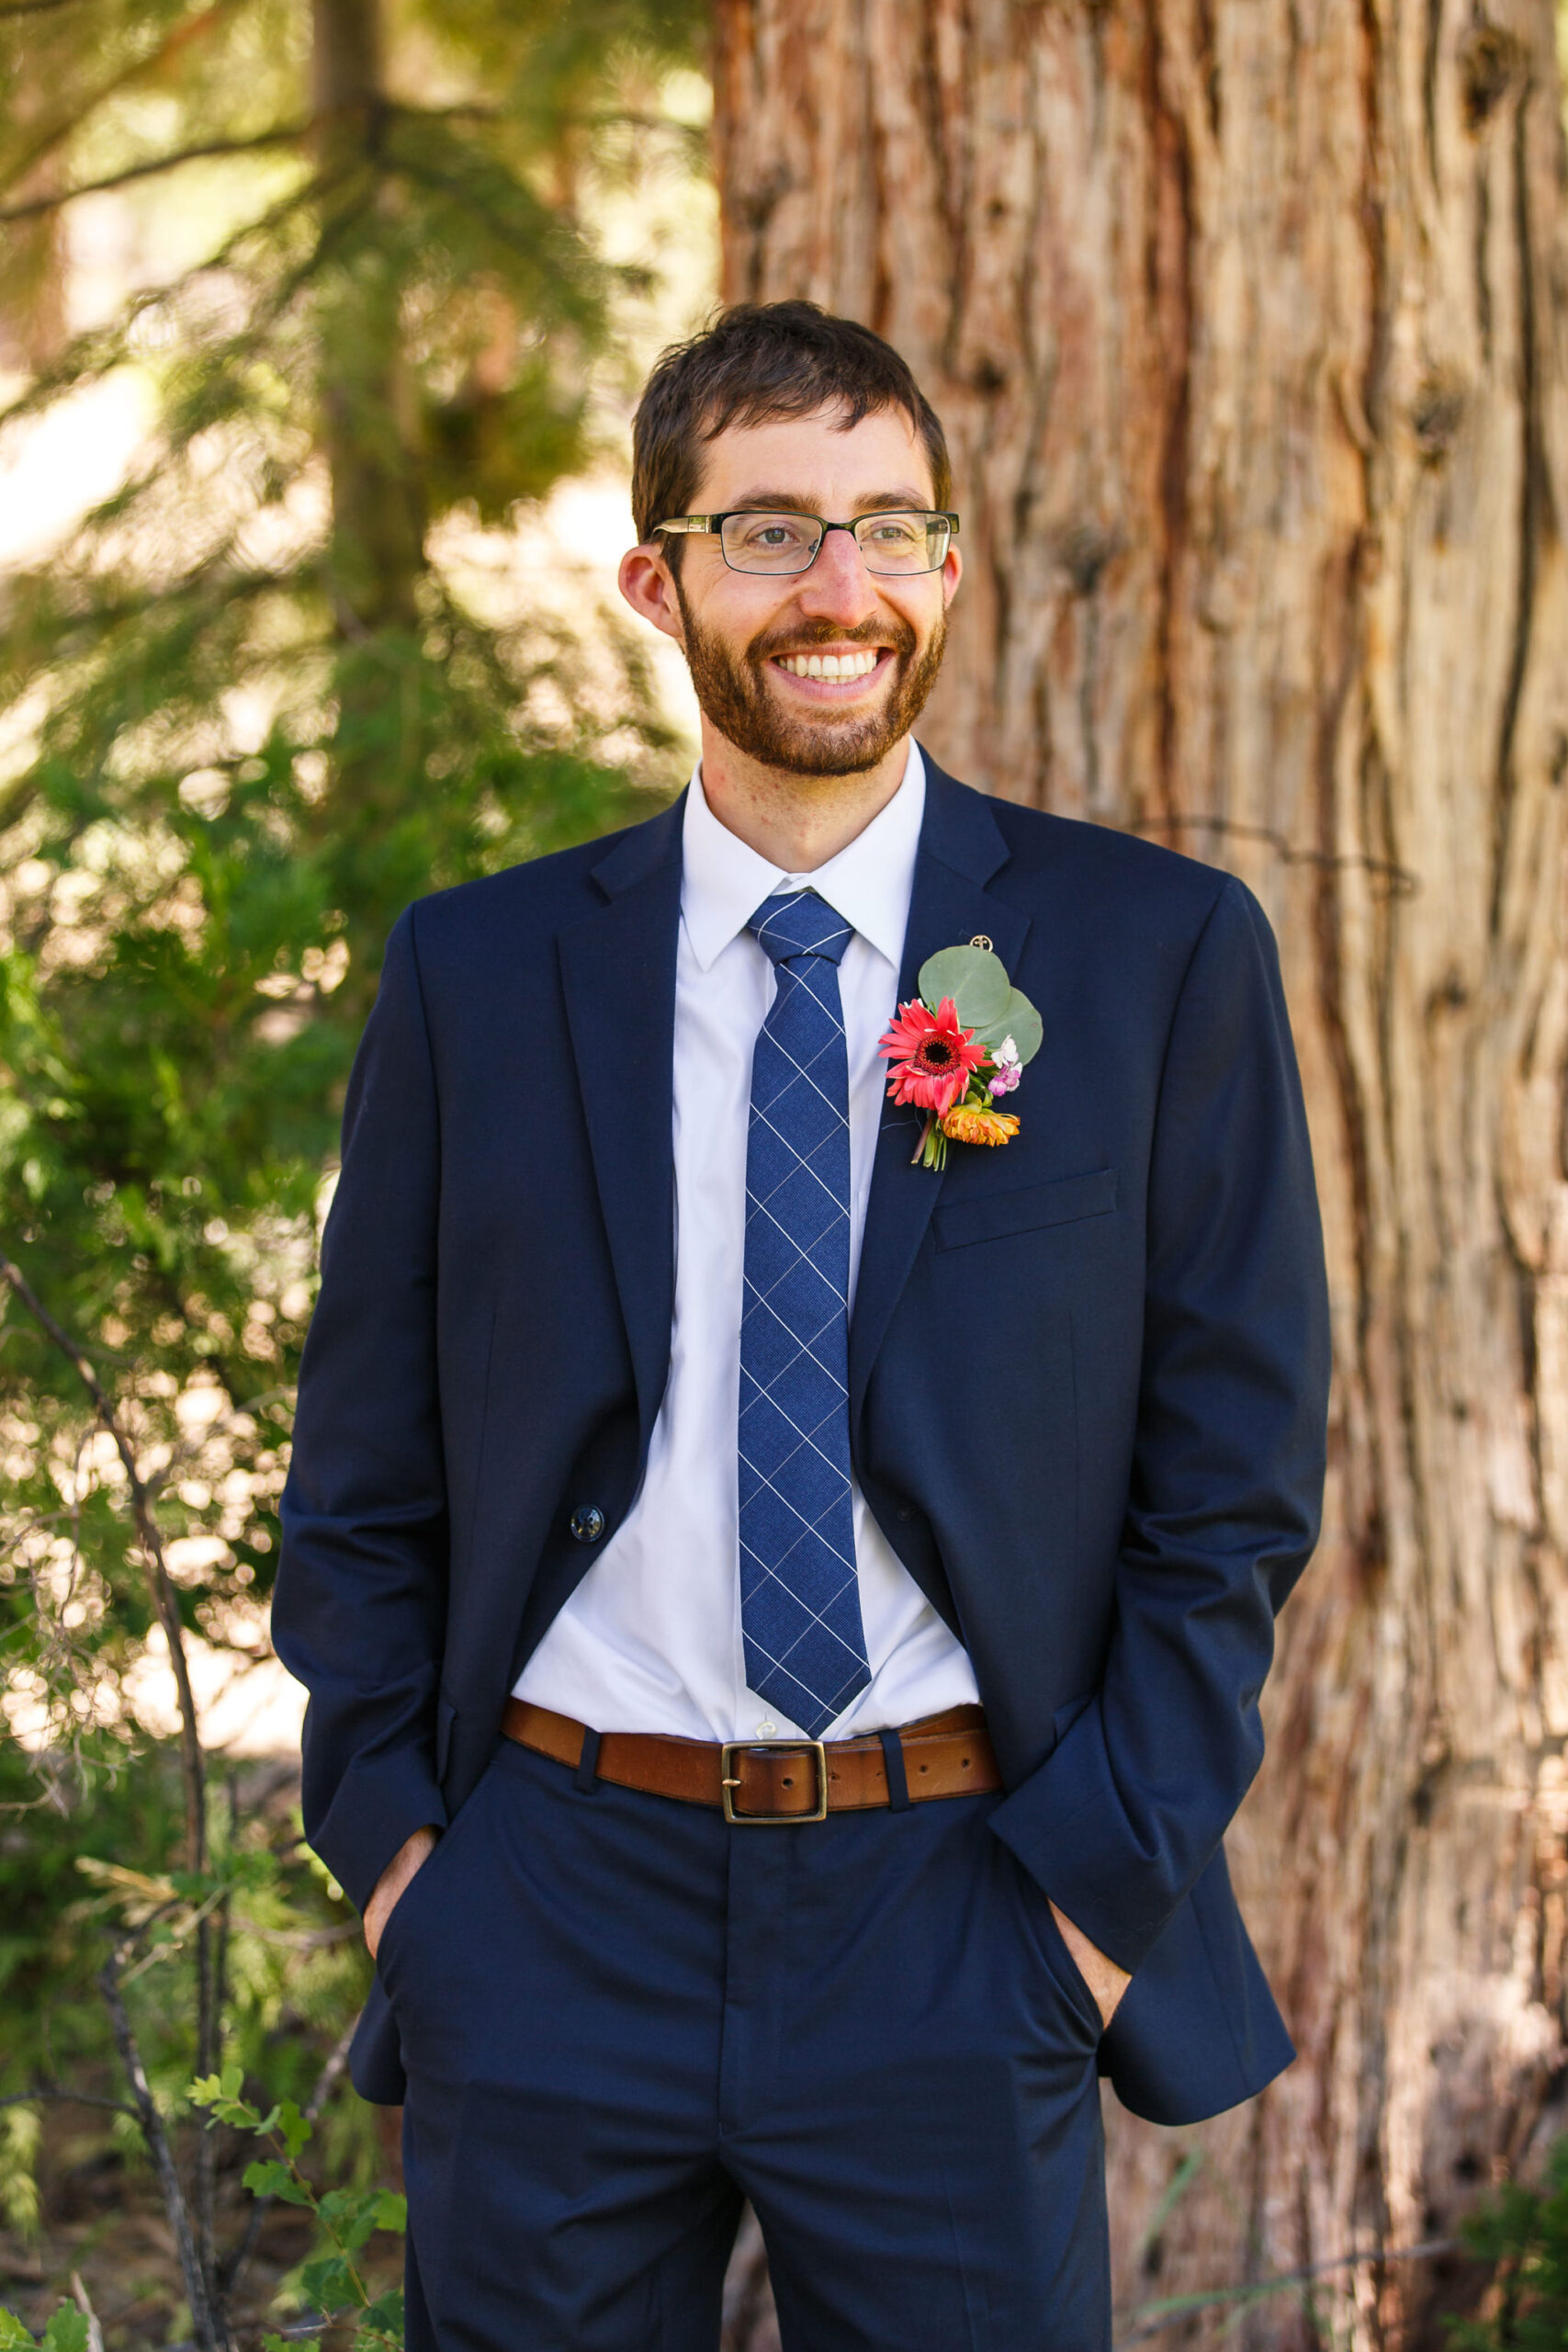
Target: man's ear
<point>648,587</point>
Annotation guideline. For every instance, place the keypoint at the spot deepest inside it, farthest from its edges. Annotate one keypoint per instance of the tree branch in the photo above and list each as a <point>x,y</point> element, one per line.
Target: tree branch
<point>177,38</point>
<point>72,2099</point>
<point>152,1543</point>
<point>1177,2308</point>
<point>158,2148</point>
<point>286,135</point>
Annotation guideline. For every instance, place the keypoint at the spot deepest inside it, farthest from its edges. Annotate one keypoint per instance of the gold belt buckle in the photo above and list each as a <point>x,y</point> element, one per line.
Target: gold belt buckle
<point>731,1782</point>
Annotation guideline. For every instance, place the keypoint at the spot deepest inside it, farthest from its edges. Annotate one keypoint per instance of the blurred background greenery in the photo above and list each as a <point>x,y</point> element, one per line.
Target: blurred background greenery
<point>320,329</point>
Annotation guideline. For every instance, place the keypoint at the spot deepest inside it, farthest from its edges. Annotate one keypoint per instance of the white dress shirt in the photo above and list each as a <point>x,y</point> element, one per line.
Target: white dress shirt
<point>650,1639</point>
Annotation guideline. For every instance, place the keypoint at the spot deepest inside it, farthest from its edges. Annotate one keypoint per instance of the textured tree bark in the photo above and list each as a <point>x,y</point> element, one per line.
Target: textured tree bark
<point>1246,319</point>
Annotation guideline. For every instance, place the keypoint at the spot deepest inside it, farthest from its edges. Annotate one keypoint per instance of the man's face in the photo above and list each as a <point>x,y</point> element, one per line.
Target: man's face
<point>745,633</point>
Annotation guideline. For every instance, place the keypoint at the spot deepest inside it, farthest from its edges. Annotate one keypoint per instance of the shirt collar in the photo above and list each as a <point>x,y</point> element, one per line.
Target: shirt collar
<point>724,881</point>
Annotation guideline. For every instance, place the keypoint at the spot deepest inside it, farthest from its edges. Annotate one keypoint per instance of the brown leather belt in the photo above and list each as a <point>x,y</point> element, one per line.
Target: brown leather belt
<point>777,1781</point>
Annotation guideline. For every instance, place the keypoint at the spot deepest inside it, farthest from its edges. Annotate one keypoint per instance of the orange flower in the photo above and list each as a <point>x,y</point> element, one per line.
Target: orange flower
<point>966,1125</point>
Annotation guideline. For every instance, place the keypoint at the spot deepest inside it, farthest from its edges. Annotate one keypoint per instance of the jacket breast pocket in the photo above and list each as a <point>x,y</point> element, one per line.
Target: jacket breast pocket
<point>995,1215</point>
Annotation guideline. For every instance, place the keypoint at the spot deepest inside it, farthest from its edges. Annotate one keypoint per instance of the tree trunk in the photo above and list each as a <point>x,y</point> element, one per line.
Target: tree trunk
<point>1246,320</point>
<point>375,556</point>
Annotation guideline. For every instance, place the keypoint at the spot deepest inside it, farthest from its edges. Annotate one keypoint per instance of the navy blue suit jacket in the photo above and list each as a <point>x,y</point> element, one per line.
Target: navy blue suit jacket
<point>1088,1373</point>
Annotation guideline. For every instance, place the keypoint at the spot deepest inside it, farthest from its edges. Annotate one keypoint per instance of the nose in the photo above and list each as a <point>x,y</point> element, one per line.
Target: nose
<point>838,588</point>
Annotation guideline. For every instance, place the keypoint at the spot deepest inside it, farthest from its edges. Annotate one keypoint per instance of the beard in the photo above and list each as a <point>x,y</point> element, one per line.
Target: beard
<point>733,694</point>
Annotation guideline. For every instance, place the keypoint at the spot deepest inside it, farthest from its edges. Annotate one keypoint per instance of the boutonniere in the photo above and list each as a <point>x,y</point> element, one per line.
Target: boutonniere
<point>959,1048</point>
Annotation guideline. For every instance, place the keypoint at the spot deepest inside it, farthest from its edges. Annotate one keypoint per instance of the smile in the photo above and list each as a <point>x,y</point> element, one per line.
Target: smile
<point>849,667</point>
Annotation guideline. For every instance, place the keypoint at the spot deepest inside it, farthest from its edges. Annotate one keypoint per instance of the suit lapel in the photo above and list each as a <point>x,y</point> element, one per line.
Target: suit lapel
<point>962,846</point>
<point>618,975</point>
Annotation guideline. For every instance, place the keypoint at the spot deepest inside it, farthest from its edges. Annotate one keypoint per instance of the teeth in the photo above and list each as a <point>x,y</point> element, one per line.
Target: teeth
<point>830,665</point>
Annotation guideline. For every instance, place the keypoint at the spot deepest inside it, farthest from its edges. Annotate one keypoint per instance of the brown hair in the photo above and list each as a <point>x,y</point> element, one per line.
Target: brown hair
<point>757,361</point>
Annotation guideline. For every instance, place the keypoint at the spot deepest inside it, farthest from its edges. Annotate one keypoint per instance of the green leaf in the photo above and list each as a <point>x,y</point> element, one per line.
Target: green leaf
<point>350,2215</point>
<point>1017,1019</point>
<point>387,2313</point>
<point>67,2331</point>
<point>391,2210</point>
<point>293,2127</point>
<point>221,2094</point>
<point>974,977</point>
<point>271,2178</point>
<point>329,2282</point>
<point>13,2337</point>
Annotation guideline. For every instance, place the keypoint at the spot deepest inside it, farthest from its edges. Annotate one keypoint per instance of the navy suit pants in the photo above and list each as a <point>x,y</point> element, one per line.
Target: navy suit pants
<point>620,2016</point>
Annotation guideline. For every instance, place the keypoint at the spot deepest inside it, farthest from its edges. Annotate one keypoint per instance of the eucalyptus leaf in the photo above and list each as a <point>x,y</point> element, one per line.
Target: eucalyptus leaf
<point>1019,1020</point>
<point>974,979</point>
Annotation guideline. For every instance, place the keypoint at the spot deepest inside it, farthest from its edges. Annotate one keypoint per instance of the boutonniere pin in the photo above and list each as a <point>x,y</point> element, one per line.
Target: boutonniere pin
<point>959,1048</point>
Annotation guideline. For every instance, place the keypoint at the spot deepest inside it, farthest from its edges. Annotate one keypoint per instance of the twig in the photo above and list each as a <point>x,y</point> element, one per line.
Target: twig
<point>83,2304</point>
<point>300,1938</point>
<point>1176,2308</point>
<point>158,2148</point>
<point>74,2099</point>
<point>207,2322</point>
<point>287,134</point>
<point>229,2271</point>
<point>178,37</point>
<point>206,2142</point>
<point>152,1543</point>
<point>1402,883</point>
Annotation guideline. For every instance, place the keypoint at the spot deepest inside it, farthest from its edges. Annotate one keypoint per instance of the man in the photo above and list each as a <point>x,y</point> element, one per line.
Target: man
<point>662,1417</point>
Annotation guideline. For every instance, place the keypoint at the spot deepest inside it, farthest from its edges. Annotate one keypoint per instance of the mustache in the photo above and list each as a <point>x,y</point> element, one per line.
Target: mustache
<point>897,633</point>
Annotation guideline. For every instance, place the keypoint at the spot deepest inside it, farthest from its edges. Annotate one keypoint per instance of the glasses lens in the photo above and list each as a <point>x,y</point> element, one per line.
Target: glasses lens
<point>902,543</point>
<point>770,542</point>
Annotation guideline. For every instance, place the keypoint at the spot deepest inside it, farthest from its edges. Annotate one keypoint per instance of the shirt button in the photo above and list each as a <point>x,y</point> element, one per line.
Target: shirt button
<point>588,1523</point>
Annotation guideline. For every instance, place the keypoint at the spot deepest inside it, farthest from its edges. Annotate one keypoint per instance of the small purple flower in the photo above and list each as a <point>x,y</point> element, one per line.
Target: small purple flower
<point>1008,1069</point>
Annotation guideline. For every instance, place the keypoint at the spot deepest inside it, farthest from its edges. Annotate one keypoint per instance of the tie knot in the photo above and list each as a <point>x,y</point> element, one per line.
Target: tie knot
<point>797,923</point>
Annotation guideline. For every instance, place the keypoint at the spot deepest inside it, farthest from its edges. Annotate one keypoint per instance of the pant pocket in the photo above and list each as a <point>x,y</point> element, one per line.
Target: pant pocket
<point>1051,1948</point>
<point>407,1914</point>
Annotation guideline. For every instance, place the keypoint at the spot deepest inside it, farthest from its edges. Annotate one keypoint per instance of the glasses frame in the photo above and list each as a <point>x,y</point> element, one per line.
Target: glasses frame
<point>696,525</point>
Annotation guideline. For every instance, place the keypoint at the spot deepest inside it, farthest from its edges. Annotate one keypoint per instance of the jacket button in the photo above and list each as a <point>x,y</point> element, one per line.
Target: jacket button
<point>588,1523</point>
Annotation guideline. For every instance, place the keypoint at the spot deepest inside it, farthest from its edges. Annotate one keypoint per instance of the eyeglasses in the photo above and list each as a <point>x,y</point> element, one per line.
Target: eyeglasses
<point>895,545</point>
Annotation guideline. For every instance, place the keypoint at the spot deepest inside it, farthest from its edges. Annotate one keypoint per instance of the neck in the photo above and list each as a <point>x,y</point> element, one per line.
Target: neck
<point>795,822</point>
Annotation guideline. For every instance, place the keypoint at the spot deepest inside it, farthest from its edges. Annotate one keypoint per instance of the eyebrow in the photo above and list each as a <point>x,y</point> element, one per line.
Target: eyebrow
<point>789,502</point>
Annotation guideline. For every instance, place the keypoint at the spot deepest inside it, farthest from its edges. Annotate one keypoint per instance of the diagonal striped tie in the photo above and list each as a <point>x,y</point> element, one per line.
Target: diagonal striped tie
<point>800,1618</point>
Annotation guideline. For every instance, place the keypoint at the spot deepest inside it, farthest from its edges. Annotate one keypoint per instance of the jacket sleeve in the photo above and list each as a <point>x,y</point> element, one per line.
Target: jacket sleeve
<point>360,1607</point>
<point>1228,1464</point>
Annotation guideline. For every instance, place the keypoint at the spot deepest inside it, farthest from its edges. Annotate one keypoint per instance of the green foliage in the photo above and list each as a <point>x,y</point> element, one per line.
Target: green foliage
<point>330,2280</point>
<point>66,2332</point>
<point>1522,2236</point>
<point>98,1864</point>
<point>265,695</point>
<point>283,679</point>
<point>983,997</point>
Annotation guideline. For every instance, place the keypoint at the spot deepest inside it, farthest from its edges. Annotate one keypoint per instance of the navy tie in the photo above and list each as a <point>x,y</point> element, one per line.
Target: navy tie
<point>800,1618</point>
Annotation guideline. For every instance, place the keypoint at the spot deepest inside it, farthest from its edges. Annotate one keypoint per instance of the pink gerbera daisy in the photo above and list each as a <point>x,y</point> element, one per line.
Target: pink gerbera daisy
<point>932,1057</point>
